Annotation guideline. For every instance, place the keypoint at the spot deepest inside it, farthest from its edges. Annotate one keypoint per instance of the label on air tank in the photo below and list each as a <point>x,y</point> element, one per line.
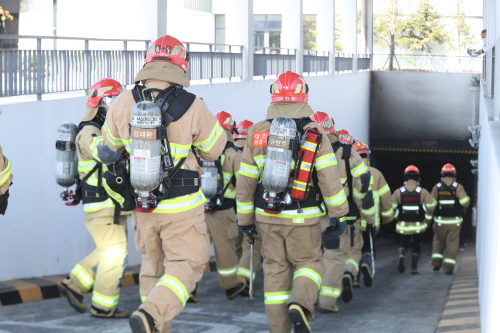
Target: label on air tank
<point>279,168</point>
<point>145,164</point>
<point>282,131</point>
<point>63,136</point>
<point>145,120</point>
<point>64,168</point>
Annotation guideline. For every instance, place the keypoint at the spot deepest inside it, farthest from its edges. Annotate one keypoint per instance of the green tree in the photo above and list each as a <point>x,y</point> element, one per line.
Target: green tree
<point>462,30</point>
<point>338,30</point>
<point>424,28</point>
<point>388,26</point>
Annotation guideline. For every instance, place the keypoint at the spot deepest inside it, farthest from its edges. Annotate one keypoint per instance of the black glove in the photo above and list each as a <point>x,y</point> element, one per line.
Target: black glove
<point>248,230</point>
<point>331,236</point>
<point>3,202</point>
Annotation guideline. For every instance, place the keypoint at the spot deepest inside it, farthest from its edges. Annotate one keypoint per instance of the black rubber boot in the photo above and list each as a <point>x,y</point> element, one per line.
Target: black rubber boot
<point>235,291</point>
<point>356,283</point>
<point>192,296</point>
<point>298,318</point>
<point>74,298</point>
<point>141,322</point>
<point>414,263</point>
<point>347,287</point>
<point>115,314</point>
<point>367,269</point>
<point>401,260</point>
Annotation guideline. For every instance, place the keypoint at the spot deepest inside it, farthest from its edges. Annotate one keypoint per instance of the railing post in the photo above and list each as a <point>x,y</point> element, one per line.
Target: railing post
<point>211,63</point>
<point>38,64</point>
<point>87,55</point>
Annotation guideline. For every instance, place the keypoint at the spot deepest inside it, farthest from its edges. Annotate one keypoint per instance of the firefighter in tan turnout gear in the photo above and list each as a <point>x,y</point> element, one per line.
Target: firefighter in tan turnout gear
<point>383,210</point>
<point>287,185</point>
<point>103,269</point>
<point>171,235</point>
<point>243,242</point>
<point>342,255</point>
<point>413,209</point>
<point>451,201</point>
<point>220,215</point>
<point>6,177</point>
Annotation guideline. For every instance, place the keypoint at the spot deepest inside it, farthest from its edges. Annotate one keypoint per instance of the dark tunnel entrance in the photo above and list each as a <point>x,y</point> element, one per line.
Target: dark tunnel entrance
<point>393,163</point>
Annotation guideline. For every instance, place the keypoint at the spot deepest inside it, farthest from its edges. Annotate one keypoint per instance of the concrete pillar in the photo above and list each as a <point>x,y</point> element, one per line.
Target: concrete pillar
<point>326,30</point>
<point>369,30</point>
<point>351,32</point>
<point>239,31</point>
<point>293,32</point>
<point>496,32</point>
<point>363,41</point>
<point>161,14</point>
<point>490,41</point>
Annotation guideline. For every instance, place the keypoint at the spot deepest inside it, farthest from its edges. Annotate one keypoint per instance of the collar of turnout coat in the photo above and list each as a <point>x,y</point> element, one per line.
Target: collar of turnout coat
<point>91,113</point>
<point>229,135</point>
<point>292,110</point>
<point>333,137</point>
<point>164,71</point>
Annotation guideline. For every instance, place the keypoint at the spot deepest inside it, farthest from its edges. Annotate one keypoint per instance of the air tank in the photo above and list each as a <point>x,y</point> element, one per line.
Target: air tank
<point>209,179</point>
<point>66,168</point>
<point>145,149</point>
<point>278,160</point>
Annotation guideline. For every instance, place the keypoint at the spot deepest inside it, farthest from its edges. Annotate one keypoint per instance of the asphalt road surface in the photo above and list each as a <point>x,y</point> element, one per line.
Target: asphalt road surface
<point>395,303</point>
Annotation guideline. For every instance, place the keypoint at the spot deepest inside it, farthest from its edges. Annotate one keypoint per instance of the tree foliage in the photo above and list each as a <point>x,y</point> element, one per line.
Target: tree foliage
<point>4,14</point>
<point>424,28</point>
<point>462,31</point>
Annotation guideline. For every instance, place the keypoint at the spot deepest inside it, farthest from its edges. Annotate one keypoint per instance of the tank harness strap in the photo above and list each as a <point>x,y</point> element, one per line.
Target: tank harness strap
<point>346,155</point>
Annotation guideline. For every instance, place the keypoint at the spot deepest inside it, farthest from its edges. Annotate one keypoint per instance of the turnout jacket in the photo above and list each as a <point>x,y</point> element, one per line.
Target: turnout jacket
<point>381,197</point>
<point>6,175</point>
<point>427,203</point>
<point>253,164</point>
<point>360,178</point>
<point>196,128</point>
<point>460,194</point>
<point>230,165</point>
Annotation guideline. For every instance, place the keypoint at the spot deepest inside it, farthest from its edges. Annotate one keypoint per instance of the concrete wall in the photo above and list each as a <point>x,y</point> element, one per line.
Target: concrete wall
<point>417,105</point>
<point>41,236</point>
<point>488,227</point>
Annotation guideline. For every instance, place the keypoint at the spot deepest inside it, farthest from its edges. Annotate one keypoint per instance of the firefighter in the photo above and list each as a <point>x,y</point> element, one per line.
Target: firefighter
<point>221,218</point>
<point>242,242</point>
<point>109,259</point>
<point>6,177</point>
<point>383,210</point>
<point>451,203</point>
<point>341,260</point>
<point>173,237</point>
<point>413,209</point>
<point>290,234</point>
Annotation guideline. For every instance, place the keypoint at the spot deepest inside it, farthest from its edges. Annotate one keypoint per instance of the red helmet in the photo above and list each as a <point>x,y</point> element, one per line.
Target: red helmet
<point>448,168</point>
<point>361,148</point>
<point>103,88</point>
<point>243,127</point>
<point>289,87</point>
<point>412,168</point>
<point>324,120</point>
<point>345,136</point>
<point>168,49</point>
<point>226,120</point>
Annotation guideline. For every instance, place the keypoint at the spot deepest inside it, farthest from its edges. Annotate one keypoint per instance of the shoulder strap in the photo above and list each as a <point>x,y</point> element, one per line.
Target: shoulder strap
<point>336,146</point>
<point>301,123</point>
<point>346,154</point>
<point>231,145</point>
<point>85,123</point>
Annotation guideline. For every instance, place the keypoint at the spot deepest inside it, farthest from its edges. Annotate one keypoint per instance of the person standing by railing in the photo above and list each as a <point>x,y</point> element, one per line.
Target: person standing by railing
<point>482,50</point>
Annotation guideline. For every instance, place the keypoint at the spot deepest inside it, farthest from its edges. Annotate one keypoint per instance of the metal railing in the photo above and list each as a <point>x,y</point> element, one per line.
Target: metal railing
<point>316,61</point>
<point>493,72</point>
<point>363,62</point>
<point>214,61</point>
<point>44,71</point>
<point>273,60</point>
<point>343,62</point>
<point>429,63</point>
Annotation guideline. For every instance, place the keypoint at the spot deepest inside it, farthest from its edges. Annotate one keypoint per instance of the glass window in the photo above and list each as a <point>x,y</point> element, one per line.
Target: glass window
<point>220,31</point>
<point>274,21</point>
<point>258,37</point>
<point>310,33</point>
<point>267,31</point>
<point>259,22</point>
<point>275,39</point>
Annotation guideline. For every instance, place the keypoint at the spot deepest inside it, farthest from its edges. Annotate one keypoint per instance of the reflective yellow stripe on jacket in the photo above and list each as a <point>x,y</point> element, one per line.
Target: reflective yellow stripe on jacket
<point>4,175</point>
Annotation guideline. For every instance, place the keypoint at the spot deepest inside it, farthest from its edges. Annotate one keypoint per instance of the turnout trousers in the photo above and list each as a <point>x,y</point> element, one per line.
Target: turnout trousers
<point>223,231</point>
<point>102,269</point>
<point>335,265</point>
<point>244,257</point>
<point>293,271</point>
<point>175,249</point>
<point>445,236</point>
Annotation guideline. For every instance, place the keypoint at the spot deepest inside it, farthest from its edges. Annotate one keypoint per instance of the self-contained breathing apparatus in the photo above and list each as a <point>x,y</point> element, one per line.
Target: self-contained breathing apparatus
<point>410,209</point>
<point>154,175</point>
<point>448,202</point>
<point>289,142</point>
<point>210,183</point>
